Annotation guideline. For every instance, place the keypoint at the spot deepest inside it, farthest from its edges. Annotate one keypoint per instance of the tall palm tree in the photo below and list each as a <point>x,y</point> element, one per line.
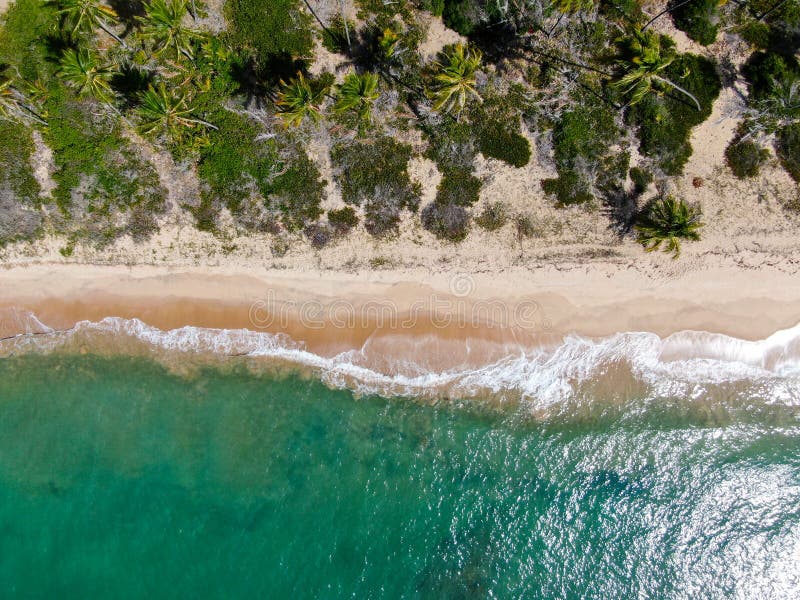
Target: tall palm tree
<point>642,59</point>
<point>81,71</point>
<point>162,25</point>
<point>84,16</point>
<point>455,81</point>
<point>358,93</point>
<point>298,99</point>
<point>166,113</point>
<point>668,221</point>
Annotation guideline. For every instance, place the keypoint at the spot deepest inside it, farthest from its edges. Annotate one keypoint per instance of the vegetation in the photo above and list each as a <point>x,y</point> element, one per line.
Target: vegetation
<point>19,193</point>
<point>667,221</point>
<point>455,82</point>
<point>493,217</point>
<point>300,98</point>
<point>358,94</point>
<point>699,19</point>
<point>446,221</point>
<point>665,121</point>
<point>236,101</point>
<point>745,158</point>
<point>374,174</point>
<point>788,149</point>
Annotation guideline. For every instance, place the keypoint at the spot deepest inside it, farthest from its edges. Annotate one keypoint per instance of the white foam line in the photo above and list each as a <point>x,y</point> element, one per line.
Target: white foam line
<point>683,363</point>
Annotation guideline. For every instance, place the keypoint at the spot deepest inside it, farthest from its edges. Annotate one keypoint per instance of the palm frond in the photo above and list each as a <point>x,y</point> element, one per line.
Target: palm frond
<point>668,220</point>
<point>298,99</point>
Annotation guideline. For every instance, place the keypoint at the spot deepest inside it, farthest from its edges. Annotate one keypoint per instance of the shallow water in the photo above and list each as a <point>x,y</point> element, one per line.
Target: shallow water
<point>119,478</point>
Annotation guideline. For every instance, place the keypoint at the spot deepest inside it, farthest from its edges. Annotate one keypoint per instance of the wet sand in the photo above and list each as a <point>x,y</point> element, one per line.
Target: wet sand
<point>338,312</point>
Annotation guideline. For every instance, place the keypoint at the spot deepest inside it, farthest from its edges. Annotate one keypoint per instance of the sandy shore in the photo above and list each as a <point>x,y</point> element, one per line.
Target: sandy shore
<point>332,312</point>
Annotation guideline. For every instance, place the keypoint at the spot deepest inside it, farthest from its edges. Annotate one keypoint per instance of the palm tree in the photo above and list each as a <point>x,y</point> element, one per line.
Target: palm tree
<point>455,81</point>
<point>163,25</point>
<point>81,71</point>
<point>167,113</point>
<point>642,59</point>
<point>669,220</point>
<point>299,99</point>
<point>388,43</point>
<point>358,93</point>
<point>84,16</point>
<point>15,106</point>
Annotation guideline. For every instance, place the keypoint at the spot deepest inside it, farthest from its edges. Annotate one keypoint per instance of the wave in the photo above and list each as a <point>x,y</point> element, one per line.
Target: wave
<point>685,364</point>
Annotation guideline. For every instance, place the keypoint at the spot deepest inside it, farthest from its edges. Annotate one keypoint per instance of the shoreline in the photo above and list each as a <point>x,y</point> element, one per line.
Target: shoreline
<point>342,310</point>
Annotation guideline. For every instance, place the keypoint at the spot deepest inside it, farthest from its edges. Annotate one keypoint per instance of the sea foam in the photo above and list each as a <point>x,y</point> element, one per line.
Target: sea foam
<point>686,363</point>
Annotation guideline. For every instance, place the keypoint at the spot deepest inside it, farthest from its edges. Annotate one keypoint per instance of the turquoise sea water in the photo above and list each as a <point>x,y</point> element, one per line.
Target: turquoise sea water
<point>119,479</point>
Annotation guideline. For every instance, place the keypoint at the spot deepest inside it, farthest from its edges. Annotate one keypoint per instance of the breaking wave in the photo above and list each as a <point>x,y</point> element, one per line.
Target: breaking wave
<point>689,364</point>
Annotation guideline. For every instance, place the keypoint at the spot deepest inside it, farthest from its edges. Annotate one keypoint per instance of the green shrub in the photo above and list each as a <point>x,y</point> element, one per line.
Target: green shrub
<point>334,37</point>
<point>641,178</point>
<point>498,140</point>
<point>570,187</point>
<point>459,188</point>
<point>20,217</point>
<point>446,221</point>
<point>463,16</point>
<point>451,146</point>
<point>100,176</point>
<point>581,147</point>
<point>699,19</point>
<point>435,7</point>
<point>233,159</point>
<point>27,24</point>
<point>745,158</point>
<point>787,148</point>
<point>374,174</point>
<point>766,72</point>
<point>493,217</point>
<point>787,13</point>
<point>343,219</point>
<point>235,164</point>
<point>298,191</point>
<point>275,30</point>
<point>666,120</point>
<point>755,33</point>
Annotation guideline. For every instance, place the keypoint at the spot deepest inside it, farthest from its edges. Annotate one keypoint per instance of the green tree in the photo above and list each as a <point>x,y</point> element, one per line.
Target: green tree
<point>643,57</point>
<point>358,94</point>
<point>298,99</point>
<point>81,70</point>
<point>85,16</point>
<point>163,26</point>
<point>166,113</point>
<point>668,221</point>
<point>455,81</point>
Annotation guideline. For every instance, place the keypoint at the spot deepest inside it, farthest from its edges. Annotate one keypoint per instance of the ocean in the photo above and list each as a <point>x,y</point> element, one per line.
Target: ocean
<point>629,467</point>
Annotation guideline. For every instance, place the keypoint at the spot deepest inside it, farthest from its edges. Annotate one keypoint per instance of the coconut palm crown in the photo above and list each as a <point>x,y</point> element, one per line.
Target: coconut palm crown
<point>668,221</point>
<point>643,59</point>
<point>455,82</point>
<point>162,26</point>
<point>166,113</point>
<point>298,99</point>
<point>358,93</point>
<point>81,71</point>
<point>83,17</point>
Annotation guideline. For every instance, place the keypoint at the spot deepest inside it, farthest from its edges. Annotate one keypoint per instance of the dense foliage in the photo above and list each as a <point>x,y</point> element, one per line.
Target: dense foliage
<point>232,94</point>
